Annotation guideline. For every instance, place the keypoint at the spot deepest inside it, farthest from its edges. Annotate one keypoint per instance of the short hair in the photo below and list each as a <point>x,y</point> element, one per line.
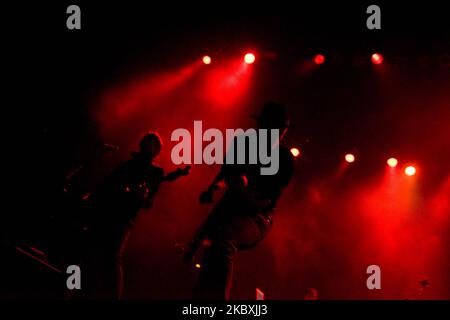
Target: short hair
<point>150,137</point>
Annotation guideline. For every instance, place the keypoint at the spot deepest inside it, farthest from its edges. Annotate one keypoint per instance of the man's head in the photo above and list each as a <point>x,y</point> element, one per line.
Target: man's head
<point>274,116</point>
<point>150,144</point>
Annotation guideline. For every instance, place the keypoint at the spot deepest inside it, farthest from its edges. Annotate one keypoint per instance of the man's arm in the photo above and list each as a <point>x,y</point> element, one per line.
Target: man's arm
<point>233,175</point>
<point>207,196</point>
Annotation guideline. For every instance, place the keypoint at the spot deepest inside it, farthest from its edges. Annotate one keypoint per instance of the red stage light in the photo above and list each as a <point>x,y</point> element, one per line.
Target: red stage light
<point>295,152</point>
<point>259,294</point>
<point>377,58</point>
<point>410,170</point>
<point>207,60</point>
<point>319,59</point>
<point>392,162</point>
<point>249,58</point>
<point>349,158</point>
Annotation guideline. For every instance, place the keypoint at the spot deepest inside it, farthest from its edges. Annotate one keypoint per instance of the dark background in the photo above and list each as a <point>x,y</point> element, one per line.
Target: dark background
<point>329,227</point>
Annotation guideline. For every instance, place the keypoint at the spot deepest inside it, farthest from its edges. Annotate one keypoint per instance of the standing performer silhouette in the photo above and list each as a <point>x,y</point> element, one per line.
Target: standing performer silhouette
<point>244,215</point>
<point>114,208</point>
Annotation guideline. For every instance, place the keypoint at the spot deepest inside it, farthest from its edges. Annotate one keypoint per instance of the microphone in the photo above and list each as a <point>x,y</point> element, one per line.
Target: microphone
<point>110,147</point>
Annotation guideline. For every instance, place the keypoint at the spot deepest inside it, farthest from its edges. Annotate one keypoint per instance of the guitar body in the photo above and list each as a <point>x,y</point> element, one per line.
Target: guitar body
<point>146,190</point>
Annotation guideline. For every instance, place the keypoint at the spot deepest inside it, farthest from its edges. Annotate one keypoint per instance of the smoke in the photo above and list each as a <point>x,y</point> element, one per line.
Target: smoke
<point>330,224</point>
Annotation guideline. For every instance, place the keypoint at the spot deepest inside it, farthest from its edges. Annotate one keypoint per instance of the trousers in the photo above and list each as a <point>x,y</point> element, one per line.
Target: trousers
<point>225,239</point>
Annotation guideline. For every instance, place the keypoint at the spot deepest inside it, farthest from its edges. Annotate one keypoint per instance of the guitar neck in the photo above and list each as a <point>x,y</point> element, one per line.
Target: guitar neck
<point>172,176</point>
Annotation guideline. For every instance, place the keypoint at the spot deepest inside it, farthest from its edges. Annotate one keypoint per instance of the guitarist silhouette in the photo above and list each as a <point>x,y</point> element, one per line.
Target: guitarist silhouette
<point>113,209</point>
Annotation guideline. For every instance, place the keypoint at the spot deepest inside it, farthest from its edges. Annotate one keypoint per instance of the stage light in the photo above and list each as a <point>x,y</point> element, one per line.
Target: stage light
<point>249,58</point>
<point>377,58</point>
<point>259,294</point>
<point>392,162</point>
<point>349,158</point>
<point>207,60</point>
<point>319,59</point>
<point>295,152</point>
<point>410,170</point>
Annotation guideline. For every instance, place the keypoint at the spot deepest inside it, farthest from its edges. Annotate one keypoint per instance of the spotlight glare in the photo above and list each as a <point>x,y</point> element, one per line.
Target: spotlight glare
<point>349,158</point>
<point>207,60</point>
<point>295,152</point>
<point>377,58</point>
<point>410,171</point>
<point>249,58</point>
<point>392,162</point>
<point>319,59</point>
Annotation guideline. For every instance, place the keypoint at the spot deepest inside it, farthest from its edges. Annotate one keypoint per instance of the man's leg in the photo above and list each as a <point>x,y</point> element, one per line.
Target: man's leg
<point>241,233</point>
<point>109,263</point>
<point>119,263</point>
<point>216,271</point>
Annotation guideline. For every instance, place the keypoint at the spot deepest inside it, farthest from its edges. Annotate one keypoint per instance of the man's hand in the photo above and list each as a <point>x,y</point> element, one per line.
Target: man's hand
<point>208,195</point>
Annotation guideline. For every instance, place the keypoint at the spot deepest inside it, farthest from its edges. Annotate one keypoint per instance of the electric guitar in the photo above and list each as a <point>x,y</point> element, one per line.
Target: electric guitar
<point>147,192</point>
